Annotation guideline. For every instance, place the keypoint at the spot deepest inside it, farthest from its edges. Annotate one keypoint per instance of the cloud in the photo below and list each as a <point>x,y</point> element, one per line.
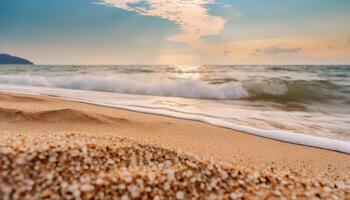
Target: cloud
<point>191,16</point>
<point>277,50</point>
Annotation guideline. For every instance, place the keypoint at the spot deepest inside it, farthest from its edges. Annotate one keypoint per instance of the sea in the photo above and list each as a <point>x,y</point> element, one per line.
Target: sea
<point>301,104</point>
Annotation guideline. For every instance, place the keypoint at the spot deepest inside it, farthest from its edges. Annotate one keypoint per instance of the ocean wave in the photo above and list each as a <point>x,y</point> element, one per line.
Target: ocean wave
<point>294,90</point>
<point>272,89</point>
<point>174,88</point>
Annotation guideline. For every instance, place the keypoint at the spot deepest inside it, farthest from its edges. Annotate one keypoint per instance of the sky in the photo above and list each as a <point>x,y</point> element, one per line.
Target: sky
<point>176,31</point>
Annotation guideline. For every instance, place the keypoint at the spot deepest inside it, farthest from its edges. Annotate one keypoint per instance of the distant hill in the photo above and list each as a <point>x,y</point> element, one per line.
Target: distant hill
<point>8,59</point>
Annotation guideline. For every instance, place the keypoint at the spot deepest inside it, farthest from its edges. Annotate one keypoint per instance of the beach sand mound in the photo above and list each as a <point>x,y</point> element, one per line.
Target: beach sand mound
<point>55,116</point>
<point>71,166</point>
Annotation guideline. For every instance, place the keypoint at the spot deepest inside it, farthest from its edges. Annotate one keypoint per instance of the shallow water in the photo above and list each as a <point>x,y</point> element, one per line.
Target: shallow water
<point>306,100</point>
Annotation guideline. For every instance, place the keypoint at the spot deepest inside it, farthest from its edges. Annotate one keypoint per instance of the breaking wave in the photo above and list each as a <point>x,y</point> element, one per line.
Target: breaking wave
<point>296,90</point>
<point>273,89</point>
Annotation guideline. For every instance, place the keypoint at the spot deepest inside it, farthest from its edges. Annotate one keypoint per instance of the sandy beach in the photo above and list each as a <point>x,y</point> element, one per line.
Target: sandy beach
<point>41,125</point>
<point>174,99</point>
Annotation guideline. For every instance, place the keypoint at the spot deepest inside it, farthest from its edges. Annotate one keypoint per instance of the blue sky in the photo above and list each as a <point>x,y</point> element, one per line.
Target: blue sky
<point>177,31</point>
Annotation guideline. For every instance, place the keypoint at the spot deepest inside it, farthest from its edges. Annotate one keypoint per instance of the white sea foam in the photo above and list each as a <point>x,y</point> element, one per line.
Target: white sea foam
<point>175,88</point>
<point>132,102</point>
<point>286,136</point>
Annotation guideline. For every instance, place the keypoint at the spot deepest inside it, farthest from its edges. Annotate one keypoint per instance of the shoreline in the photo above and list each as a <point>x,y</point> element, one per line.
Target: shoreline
<point>195,138</point>
<point>277,135</point>
<point>304,139</point>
